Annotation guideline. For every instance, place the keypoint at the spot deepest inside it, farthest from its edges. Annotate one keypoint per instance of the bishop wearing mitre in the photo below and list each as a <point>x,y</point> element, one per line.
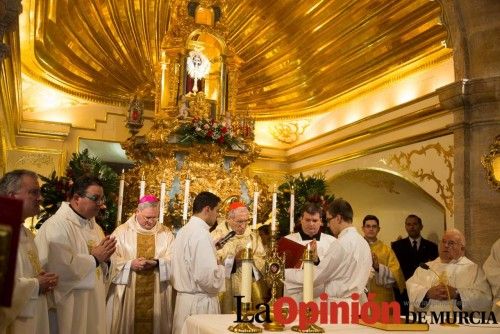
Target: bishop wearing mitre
<point>140,295</point>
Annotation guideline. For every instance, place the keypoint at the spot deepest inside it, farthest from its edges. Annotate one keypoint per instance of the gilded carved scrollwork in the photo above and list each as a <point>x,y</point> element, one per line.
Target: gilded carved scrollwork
<point>491,163</point>
<point>444,185</point>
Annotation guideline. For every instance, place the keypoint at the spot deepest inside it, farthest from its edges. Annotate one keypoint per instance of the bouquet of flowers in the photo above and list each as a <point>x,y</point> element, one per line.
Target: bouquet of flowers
<point>208,131</point>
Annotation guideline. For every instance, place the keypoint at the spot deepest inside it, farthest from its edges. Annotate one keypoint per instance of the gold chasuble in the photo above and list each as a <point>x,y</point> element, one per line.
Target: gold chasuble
<point>386,257</point>
<point>144,286</point>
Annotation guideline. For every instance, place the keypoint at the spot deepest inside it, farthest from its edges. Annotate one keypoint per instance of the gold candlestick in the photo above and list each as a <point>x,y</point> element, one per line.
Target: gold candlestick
<point>311,328</point>
<point>274,273</point>
<point>246,326</point>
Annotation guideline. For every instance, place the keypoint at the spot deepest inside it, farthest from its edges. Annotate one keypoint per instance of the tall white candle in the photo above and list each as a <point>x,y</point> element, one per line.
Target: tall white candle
<point>186,199</point>
<point>142,186</point>
<point>120,198</point>
<point>246,276</point>
<point>162,199</point>
<point>292,210</point>
<point>273,211</point>
<point>307,291</point>
<point>255,205</point>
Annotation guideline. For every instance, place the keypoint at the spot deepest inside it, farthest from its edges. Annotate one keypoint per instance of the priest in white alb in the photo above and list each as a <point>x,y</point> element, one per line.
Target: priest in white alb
<point>140,294</point>
<point>451,280</point>
<point>196,275</point>
<point>73,245</point>
<point>345,267</point>
<point>309,229</point>
<point>28,313</point>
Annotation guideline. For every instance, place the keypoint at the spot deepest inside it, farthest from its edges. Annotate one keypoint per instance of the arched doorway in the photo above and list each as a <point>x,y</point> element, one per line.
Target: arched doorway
<point>391,198</point>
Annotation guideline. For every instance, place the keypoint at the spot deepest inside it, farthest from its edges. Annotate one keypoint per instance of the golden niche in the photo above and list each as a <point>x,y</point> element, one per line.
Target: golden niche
<point>197,133</point>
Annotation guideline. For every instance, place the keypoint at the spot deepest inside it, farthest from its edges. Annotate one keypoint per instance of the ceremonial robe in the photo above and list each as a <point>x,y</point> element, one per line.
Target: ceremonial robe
<point>462,274</point>
<point>388,274</point>
<point>28,312</point>
<point>227,254</point>
<point>140,301</point>
<point>492,270</point>
<point>64,243</point>
<point>294,290</point>
<point>196,276</point>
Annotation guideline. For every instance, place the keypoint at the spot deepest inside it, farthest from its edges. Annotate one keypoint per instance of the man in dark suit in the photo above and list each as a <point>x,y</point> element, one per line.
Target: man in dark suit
<point>411,251</point>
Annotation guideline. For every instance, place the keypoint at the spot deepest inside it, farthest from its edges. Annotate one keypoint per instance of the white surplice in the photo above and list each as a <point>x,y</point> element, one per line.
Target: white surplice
<point>294,290</point>
<point>28,312</point>
<point>64,242</point>
<point>121,294</point>
<point>196,276</point>
<point>344,269</point>
<point>491,268</point>
<point>462,274</point>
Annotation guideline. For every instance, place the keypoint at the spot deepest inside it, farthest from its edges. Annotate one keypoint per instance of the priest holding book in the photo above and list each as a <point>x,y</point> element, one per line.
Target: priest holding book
<point>309,230</point>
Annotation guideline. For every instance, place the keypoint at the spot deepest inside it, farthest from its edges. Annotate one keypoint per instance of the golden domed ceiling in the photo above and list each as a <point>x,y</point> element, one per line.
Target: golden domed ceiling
<point>298,55</point>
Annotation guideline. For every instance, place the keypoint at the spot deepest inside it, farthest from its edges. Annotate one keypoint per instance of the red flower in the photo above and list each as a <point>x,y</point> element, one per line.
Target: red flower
<point>220,140</point>
<point>223,130</point>
<point>210,133</point>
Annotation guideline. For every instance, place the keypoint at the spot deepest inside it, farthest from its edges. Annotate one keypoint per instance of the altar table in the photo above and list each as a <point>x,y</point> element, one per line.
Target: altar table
<point>217,324</point>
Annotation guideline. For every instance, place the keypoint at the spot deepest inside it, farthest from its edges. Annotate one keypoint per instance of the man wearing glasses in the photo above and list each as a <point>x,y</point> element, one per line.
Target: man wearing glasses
<point>140,296</point>
<point>230,254</point>
<point>28,312</point>
<point>451,280</point>
<point>72,244</point>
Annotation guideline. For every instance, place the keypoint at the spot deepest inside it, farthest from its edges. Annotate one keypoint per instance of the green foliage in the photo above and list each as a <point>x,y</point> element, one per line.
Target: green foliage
<point>56,189</point>
<point>307,189</point>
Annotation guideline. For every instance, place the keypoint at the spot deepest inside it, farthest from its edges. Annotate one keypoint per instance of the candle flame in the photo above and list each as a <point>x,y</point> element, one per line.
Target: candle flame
<point>249,245</point>
<point>308,247</point>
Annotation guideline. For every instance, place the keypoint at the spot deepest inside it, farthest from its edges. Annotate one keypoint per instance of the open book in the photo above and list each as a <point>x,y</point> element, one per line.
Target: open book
<point>293,252</point>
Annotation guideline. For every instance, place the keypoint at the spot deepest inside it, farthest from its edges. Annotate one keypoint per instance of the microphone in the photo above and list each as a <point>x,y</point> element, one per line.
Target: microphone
<point>219,244</point>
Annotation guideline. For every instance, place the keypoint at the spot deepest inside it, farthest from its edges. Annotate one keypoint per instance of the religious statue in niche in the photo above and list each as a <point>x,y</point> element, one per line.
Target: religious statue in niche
<point>198,66</point>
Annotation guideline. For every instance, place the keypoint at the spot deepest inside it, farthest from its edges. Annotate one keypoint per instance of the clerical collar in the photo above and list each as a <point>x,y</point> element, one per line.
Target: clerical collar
<point>79,215</point>
<point>304,236</point>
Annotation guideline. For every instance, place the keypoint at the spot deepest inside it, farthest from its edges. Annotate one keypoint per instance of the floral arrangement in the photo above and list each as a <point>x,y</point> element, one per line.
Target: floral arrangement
<point>208,131</point>
<point>56,189</point>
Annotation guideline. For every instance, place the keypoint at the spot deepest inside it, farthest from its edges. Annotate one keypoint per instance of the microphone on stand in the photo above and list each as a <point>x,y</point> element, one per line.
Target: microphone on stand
<point>425,266</point>
<point>219,244</point>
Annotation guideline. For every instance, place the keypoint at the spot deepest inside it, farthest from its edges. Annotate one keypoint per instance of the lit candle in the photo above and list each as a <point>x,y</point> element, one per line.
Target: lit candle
<point>142,186</point>
<point>255,205</point>
<point>120,198</point>
<point>273,211</point>
<point>307,292</point>
<point>246,274</point>
<point>186,199</point>
<point>292,210</point>
<point>162,198</point>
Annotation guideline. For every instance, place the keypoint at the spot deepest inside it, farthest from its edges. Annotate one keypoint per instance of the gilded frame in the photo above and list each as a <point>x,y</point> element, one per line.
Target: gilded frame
<point>491,163</point>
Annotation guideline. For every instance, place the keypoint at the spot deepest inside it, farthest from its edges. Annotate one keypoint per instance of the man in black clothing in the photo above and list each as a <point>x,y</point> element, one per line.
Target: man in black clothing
<point>411,251</point>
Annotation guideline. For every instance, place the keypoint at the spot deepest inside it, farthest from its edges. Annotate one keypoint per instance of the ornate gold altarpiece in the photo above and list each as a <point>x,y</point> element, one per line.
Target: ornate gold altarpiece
<point>187,88</point>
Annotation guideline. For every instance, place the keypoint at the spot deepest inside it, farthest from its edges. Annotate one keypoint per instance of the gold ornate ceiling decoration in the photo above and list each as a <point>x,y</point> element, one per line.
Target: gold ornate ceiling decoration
<point>298,55</point>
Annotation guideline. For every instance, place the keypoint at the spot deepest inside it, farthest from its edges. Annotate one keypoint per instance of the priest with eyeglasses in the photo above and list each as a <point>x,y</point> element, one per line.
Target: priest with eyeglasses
<point>73,245</point>
<point>140,293</point>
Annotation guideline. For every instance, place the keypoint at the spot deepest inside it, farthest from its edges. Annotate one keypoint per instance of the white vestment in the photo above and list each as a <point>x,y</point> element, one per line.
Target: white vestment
<point>294,290</point>
<point>28,312</point>
<point>462,274</point>
<point>343,270</point>
<point>121,303</point>
<point>492,270</point>
<point>196,276</point>
<point>64,242</point>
